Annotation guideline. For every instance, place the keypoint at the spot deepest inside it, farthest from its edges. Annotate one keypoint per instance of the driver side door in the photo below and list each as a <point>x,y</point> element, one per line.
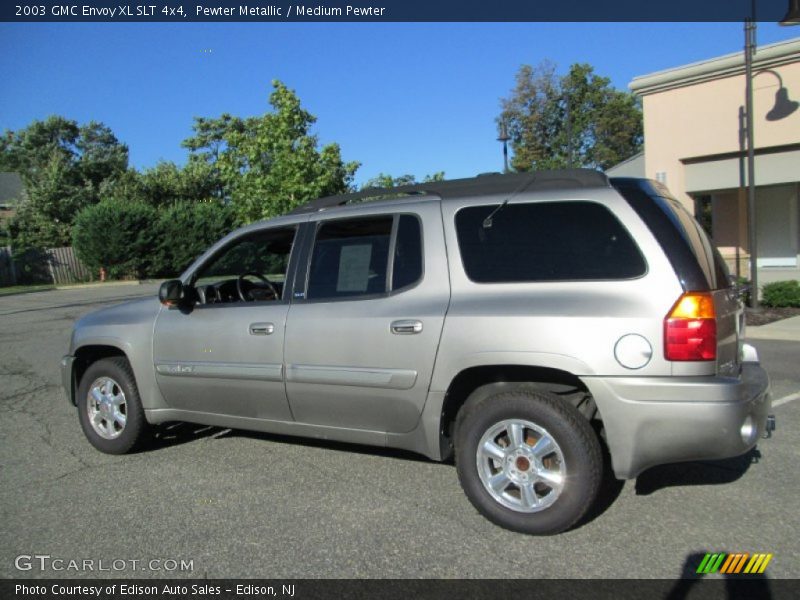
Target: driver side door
<point>224,355</point>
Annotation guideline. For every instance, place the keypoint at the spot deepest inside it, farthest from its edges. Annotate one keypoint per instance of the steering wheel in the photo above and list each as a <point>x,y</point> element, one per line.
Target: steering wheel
<point>245,296</point>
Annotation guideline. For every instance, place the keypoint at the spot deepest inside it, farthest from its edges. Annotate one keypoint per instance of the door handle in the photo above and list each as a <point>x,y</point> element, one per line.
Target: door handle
<point>406,327</point>
<point>261,328</point>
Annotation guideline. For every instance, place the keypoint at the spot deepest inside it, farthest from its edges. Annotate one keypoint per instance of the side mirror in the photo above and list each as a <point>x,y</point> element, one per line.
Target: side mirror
<point>172,293</point>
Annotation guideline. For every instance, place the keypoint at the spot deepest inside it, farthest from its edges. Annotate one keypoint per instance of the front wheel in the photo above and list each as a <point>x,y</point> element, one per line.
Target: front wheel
<point>528,461</point>
<point>109,407</point>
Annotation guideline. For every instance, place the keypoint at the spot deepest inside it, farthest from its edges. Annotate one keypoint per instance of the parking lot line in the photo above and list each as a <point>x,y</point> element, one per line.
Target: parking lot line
<point>786,399</point>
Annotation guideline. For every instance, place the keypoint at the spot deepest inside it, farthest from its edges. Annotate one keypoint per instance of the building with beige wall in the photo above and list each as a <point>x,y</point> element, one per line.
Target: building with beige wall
<point>695,144</point>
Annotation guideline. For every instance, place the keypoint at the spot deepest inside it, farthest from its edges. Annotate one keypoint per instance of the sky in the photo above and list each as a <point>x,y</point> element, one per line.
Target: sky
<point>397,97</point>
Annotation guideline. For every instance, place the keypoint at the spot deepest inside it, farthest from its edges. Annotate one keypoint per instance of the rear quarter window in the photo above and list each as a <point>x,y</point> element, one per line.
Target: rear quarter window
<point>546,241</point>
<point>694,258</point>
<point>709,258</point>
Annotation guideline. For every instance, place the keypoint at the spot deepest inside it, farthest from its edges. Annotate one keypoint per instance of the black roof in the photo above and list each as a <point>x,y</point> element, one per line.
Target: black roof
<point>482,185</point>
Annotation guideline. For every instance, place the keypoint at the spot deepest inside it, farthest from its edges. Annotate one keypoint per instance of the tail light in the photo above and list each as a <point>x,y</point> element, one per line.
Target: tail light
<point>690,328</point>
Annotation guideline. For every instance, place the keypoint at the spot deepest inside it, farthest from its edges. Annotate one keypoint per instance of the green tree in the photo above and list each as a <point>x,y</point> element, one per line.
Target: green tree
<point>167,183</point>
<point>268,165</point>
<point>383,180</point>
<point>209,139</point>
<point>65,167</point>
<point>574,120</point>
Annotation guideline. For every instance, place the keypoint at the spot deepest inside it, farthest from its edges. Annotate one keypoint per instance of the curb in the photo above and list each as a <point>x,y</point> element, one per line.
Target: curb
<point>79,286</point>
<point>777,336</point>
<point>41,291</point>
<point>785,330</point>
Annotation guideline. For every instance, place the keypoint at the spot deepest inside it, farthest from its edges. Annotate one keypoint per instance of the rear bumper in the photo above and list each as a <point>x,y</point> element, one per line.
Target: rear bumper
<point>658,420</point>
<point>66,377</point>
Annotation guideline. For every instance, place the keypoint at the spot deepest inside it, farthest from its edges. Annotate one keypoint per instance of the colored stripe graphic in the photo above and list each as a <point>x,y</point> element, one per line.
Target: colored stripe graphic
<point>734,563</point>
<point>729,562</point>
<point>758,563</point>
<point>740,565</point>
<point>701,568</point>
<point>711,563</point>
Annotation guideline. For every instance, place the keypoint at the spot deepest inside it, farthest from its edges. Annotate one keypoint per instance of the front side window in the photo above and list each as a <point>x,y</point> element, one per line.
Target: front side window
<point>365,256</point>
<point>252,268</point>
<point>545,241</point>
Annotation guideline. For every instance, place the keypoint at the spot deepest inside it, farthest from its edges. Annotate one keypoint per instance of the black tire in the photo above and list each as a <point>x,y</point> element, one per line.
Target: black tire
<point>127,437</point>
<point>577,458</point>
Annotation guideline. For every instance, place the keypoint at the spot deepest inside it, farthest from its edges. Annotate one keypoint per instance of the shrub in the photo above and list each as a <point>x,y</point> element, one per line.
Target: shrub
<point>115,235</point>
<point>184,231</point>
<point>743,285</point>
<point>134,239</point>
<point>781,294</point>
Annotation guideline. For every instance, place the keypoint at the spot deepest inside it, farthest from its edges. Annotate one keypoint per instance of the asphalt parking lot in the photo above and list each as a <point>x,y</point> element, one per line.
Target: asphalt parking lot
<point>240,504</point>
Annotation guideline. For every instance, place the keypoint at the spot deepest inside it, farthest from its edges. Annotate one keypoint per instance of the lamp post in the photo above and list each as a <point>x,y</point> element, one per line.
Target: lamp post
<point>504,137</point>
<point>783,107</point>
<point>749,51</point>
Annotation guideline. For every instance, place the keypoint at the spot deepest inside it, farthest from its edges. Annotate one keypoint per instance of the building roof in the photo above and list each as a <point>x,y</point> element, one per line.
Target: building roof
<point>11,189</point>
<point>769,56</point>
<point>632,166</point>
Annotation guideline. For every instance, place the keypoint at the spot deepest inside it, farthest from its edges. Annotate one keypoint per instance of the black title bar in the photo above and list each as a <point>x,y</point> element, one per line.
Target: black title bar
<point>396,589</point>
<point>394,10</point>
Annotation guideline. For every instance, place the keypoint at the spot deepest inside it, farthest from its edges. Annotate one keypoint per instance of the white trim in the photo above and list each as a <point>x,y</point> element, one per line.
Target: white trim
<point>769,56</point>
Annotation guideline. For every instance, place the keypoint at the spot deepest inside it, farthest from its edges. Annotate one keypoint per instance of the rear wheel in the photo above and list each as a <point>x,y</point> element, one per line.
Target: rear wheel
<point>109,407</point>
<point>528,461</point>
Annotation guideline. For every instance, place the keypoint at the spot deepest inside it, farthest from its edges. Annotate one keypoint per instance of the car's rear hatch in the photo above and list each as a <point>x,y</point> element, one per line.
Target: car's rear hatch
<point>696,261</point>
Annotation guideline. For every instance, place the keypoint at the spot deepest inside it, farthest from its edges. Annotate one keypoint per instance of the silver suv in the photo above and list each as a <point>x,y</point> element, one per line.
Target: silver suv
<point>517,323</point>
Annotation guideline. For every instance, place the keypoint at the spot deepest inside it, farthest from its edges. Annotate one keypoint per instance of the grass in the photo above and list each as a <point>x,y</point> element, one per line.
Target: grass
<point>24,289</point>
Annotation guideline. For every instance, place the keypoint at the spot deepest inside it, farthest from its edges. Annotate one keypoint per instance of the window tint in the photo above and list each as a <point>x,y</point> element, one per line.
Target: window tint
<point>548,241</point>
<point>263,252</point>
<point>350,258</point>
<point>709,258</point>
<point>407,253</point>
<point>696,261</point>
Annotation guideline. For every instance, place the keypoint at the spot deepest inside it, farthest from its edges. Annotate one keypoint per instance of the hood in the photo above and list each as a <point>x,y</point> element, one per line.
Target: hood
<point>134,312</point>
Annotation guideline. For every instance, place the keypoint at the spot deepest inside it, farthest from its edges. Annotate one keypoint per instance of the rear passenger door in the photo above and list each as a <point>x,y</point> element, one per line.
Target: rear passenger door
<point>365,322</point>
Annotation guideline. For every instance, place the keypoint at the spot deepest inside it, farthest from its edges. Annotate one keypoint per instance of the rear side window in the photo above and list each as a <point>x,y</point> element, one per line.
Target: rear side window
<point>694,258</point>
<point>709,258</point>
<point>546,241</point>
<point>351,257</point>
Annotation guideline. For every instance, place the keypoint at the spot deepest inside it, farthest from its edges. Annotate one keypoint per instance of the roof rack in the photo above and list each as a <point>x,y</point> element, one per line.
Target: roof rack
<point>485,184</point>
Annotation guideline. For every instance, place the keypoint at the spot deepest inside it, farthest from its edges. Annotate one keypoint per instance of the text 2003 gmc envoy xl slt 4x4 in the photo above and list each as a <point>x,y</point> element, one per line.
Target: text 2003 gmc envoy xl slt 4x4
<point>515,322</point>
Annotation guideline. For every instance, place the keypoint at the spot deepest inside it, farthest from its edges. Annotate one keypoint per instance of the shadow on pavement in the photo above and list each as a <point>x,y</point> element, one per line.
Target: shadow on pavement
<point>173,434</point>
<point>177,433</point>
<point>695,473</point>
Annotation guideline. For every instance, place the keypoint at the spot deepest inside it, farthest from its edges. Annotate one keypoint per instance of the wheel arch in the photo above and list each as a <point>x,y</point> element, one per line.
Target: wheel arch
<point>87,355</point>
<point>479,382</point>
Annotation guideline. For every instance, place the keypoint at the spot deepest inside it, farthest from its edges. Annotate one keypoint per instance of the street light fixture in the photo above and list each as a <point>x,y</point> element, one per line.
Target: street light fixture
<point>504,137</point>
<point>784,106</point>
<point>792,16</point>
